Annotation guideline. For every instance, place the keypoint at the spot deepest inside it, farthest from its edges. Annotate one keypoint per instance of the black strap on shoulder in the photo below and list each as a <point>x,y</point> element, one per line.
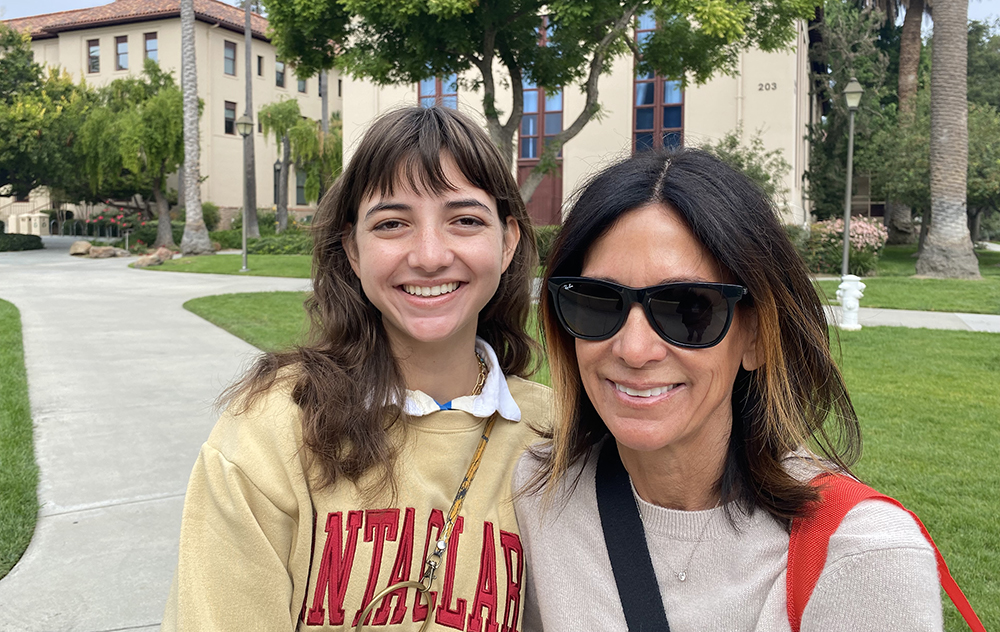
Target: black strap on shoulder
<point>626,541</point>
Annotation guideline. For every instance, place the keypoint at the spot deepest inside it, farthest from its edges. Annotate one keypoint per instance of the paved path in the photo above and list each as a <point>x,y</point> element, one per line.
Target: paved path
<point>122,381</point>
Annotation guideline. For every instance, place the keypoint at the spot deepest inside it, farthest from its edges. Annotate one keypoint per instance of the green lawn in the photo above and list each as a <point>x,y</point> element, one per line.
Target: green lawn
<point>297,266</point>
<point>893,286</point>
<point>928,403</point>
<point>18,471</point>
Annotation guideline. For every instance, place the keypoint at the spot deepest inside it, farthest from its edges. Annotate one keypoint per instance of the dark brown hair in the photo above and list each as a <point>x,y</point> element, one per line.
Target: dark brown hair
<point>347,381</point>
<point>795,400</point>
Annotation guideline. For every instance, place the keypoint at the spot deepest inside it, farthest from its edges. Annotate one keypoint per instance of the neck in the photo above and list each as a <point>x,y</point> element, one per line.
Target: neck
<point>678,477</point>
<point>443,370</point>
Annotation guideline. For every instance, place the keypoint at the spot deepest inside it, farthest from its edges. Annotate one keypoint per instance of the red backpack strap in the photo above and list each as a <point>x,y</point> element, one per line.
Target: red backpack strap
<point>810,539</point>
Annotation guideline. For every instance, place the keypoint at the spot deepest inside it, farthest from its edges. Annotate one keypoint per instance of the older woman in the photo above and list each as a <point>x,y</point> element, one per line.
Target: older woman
<point>688,345</point>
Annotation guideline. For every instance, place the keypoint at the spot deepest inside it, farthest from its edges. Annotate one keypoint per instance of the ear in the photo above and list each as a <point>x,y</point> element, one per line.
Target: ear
<point>511,237</point>
<point>350,247</point>
<point>752,360</point>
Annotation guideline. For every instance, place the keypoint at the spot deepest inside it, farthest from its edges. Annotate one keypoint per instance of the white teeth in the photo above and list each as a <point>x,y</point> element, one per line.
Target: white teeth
<point>652,392</point>
<point>437,290</point>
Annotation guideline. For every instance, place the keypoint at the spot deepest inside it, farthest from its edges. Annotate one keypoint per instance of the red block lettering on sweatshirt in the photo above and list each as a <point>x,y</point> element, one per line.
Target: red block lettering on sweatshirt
<point>380,525</point>
<point>400,573</point>
<point>486,587</point>
<point>335,568</point>
<point>435,521</point>
<point>446,615</point>
<point>511,544</point>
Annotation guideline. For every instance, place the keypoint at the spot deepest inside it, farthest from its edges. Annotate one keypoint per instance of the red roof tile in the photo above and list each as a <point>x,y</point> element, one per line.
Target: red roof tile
<point>125,11</point>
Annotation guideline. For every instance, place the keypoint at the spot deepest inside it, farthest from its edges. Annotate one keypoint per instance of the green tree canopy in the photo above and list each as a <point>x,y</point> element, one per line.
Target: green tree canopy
<point>393,41</point>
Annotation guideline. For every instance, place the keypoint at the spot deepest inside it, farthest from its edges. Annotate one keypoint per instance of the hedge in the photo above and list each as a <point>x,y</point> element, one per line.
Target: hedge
<point>9,243</point>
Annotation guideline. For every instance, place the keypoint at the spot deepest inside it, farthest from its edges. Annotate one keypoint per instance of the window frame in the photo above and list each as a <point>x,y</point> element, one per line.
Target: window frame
<point>279,73</point>
<point>229,126</point>
<point>658,105</point>
<point>542,133</point>
<point>226,47</point>
<point>93,56</point>
<point>121,40</point>
<point>439,95</point>
<point>300,188</point>
<point>260,65</point>
<point>301,85</point>
<point>146,39</point>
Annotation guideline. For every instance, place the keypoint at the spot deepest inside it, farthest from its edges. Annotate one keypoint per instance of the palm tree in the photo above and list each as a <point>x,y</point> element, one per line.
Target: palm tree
<point>948,250</point>
<point>195,240</point>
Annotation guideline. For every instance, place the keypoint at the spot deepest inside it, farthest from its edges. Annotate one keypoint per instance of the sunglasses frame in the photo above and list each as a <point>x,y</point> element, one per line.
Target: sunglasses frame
<point>642,295</point>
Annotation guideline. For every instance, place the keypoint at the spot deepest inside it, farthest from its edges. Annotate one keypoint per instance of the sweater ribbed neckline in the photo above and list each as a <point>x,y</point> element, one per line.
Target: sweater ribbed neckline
<point>707,524</point>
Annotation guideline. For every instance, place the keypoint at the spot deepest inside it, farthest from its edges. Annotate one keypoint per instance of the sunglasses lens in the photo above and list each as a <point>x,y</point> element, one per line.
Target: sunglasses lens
<point>589,309</point>
<point>690,315</point>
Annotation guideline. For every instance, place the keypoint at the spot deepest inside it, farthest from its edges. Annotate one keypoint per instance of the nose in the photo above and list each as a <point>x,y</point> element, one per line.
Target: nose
<point>432,250</point>
<point>636,343</point>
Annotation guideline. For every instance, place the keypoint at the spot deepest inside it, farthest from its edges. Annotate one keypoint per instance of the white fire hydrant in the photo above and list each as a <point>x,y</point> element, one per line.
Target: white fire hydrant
<point>849,293</point>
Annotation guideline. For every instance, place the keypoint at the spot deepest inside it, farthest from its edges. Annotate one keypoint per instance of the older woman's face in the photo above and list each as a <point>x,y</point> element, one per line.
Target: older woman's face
<point>680,397</point>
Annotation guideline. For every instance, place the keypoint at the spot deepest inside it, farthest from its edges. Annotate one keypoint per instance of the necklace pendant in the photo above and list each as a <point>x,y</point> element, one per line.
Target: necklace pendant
<point>681,576</point>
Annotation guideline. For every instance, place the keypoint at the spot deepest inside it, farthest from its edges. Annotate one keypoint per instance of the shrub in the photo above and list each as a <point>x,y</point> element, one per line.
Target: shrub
<point>10,243</point>
<point>266,221</point>
<point>545,236</point>
<point>288,243</point>
<point>2,228</point>
<point>209,213</point>
<point>824,249</point>
<point>229,239</point>
<point>146,232</point>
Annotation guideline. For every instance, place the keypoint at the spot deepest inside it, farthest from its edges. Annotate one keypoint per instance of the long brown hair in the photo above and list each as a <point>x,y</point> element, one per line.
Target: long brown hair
<point>347,381</point>
<point>795,400</point>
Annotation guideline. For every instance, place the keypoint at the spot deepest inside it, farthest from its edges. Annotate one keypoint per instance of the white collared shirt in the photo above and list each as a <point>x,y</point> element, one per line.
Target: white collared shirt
<point>495,397</point>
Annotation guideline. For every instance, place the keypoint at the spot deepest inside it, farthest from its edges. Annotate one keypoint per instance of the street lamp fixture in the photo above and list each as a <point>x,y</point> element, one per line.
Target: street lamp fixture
<point>851,287</point>
<point>244,125</point>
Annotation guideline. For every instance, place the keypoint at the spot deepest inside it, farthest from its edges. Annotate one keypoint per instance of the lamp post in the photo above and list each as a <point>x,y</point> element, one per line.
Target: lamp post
<point>852,93</point>
<point>244,125</point>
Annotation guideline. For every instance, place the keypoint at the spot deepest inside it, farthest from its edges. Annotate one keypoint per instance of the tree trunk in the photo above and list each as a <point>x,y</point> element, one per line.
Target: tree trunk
<point>947,251</point>
<point>899,222</point>
<point>180,185</point>
<point>925,225</point>
<point>249,161</point>
<point>324,87</point>
<point>975,221</point>
<point>195,240</point>
<point>164,232</point>
<point>286,152</point>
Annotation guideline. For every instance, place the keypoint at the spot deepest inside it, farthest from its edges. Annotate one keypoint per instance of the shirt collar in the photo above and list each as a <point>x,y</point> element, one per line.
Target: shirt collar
<point>495,397</point>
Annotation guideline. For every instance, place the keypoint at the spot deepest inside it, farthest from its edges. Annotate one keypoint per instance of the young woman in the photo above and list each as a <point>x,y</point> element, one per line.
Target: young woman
<point>694,382</point>
<point>350,482</point>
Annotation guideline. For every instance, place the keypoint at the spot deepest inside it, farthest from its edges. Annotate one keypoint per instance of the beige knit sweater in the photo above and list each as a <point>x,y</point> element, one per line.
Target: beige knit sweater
<point>880,572</point>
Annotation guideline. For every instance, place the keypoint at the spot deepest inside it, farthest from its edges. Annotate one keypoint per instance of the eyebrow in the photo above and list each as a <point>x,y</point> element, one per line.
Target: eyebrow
<point>451,204</point>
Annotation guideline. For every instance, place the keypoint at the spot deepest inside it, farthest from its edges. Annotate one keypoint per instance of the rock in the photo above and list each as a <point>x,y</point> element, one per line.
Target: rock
<point>79,248</point>
<point>154,259</point>
<point>216,246</point>
<point>121,252</point>
<point>101,252</point>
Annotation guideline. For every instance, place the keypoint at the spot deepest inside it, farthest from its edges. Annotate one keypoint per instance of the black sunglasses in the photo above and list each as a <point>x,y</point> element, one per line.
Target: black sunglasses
<point>692,315</point>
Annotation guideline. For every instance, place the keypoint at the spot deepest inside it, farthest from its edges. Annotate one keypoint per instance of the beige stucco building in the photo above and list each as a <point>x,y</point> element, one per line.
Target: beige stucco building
<point>769,95</point>
<point>104,43</point>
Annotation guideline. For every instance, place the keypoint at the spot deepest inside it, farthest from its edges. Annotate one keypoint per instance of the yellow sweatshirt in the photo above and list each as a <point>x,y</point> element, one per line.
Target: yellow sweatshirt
<point>261,550</point>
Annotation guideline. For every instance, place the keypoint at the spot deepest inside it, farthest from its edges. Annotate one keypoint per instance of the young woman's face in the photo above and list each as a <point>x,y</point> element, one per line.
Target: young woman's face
<point>680,397</point>
<point>428,262</point>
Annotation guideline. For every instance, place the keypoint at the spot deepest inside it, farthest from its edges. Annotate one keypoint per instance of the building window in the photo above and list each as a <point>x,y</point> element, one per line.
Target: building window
<point>439,91</point>
<point>340,88</point>
<point>230,117</point>
<point>152,47</point>
<point>93,55</point>
<point>260,66</point>
<point>230,53</point>
<point>542,119</point>
<point>121,52</point>
<point>658,107</point>
<point>302,86</point>
<point>279,74</point>
<point>22,197</point>
<point>300,187</point>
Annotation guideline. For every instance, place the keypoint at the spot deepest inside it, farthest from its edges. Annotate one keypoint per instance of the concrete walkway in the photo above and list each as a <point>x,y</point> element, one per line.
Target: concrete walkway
<point>122,381</point>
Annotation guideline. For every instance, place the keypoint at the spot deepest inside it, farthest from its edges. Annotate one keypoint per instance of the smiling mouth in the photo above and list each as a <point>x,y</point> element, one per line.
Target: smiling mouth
<point>436,290</point>
<point>650,392</point>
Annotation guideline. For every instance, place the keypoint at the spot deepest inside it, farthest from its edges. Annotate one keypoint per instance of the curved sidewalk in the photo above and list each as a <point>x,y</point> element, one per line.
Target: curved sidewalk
<point>122,381</point>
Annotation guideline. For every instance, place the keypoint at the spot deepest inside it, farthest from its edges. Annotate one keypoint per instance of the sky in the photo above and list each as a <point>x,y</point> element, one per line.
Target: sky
<point>988,10</point>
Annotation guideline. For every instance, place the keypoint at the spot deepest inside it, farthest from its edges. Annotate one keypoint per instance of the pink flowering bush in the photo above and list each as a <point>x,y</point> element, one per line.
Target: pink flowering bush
<point>824,249</point>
